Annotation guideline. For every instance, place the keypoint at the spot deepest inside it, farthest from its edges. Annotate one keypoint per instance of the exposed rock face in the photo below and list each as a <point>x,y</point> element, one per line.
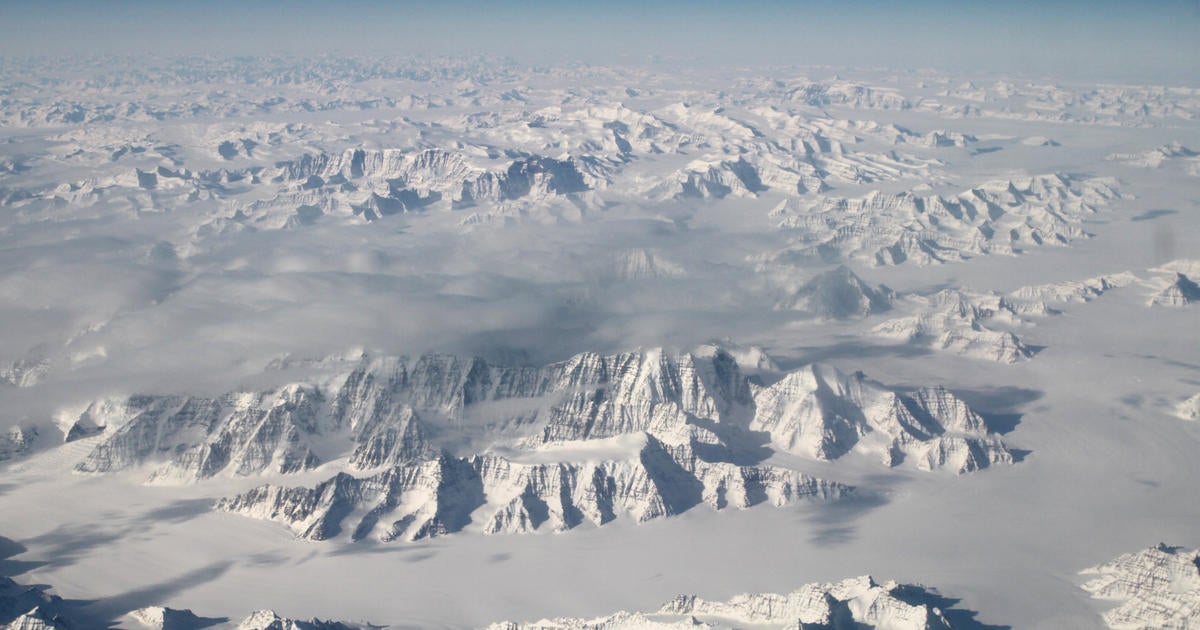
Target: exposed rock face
<point>643,264</point>
<point>404,181</point>
<point>1035,298</point>
<point>446,490</point>
<point>651,391</point>
<point>30,608</point>
<point>37,619</point>
<point>533,158</point>
<point>199,437</point>
<point>1157,587</point>
<point>705,180</point>
<point>385,410</point>
<point>821,413</point>
<point>269,620</point>
<point>1002,217</point>
<point>972,324</point>
<point>959,322</point>
<point>852,603</point>
<point>839,294</point>
<point>1180,291</point>
<point>439,496</point>
<point>695,417</point>
<point>17,441</point>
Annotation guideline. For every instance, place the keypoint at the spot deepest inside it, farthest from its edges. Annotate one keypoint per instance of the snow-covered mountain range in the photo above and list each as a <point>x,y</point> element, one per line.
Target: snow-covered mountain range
<point>855,602</point>
<point>436,342</point>
<point>679,430</point>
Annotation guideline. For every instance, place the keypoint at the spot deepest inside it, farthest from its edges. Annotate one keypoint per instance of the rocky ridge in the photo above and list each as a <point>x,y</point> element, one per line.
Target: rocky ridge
<point>1157,587</point>
<point>442,496</point>
<point>691,426</point>
<point>270,620</point>
<point>30,608</point>
<point>389,411</point>
<point>980,324</point>
<point>855,602</point>
<point>1178,291</point>
<point>998,217</point>
<point>838,294</point>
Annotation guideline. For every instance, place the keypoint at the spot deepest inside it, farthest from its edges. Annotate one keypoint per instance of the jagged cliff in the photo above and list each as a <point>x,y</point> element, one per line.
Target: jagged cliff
<point>674,431</point>
<point>387,411</point>
<point>440,496</point>
<point>852,603</point>
<point>821,413</point>
<point>1179,291</point>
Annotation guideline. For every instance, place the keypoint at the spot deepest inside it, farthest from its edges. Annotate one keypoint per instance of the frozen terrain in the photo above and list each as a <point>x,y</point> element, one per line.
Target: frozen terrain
<point>1157,587</point>
<point>855,602</point>
<point>439,342</point>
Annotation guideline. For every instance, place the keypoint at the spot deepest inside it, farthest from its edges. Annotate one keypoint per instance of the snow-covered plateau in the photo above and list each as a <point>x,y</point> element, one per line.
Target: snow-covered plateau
<point>355,342</point>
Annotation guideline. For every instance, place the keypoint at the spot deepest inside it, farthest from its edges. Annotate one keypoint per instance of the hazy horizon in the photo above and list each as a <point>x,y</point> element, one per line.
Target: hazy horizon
<point>1153,42</point>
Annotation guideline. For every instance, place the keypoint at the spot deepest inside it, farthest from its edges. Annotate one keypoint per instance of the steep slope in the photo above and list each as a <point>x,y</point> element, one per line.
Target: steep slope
<point>688,423</point>
<point>441,496</point>
<point>642,264</point>
<point>387,412</point>
<point>978,325</point>
<point>30,608</point>
<point>839,294</point>
<point>960,322</point>
<point>372,184</point>
<point>1157,587</point>
<point>998,217</point>
<point>270,620</point>
<point>821,413</point>
<point>1034,299</point>
<point>422,177</point>
<point>199,437</point>
<point>706,180</point>
<point>855,602</point>
<point>1179,291</point>
<point>162,618</point>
